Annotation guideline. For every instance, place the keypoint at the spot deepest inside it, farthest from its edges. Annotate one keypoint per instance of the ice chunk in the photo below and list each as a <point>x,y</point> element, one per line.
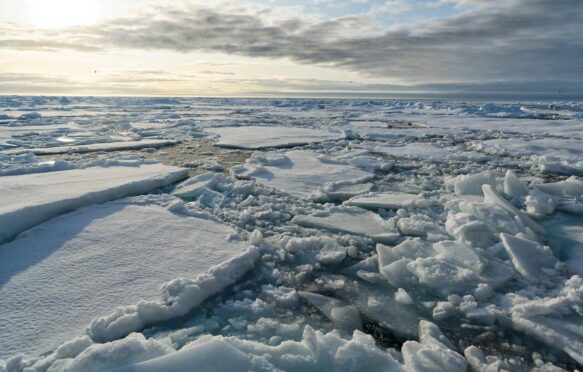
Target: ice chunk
<point>468,229</point>
<point>432,353</point>
<point>531,260</point>
<point>256,137</point>
<point>352,221</point>
<point>344,190</point>
<point>27,200</point>
<point>513,187</point>
<point>491,196</point>
<point>305,173</point>
<point>105,146</point>
<point>86,263</point>
<point>389,200</point>
<point>459,254</point>
<point>572,187</point>
<point>211,356</point>
<point>540,204</point>
<point>343,315</point>
<point>193,187</point>
<point>403,297</point>
<point>471,184</point>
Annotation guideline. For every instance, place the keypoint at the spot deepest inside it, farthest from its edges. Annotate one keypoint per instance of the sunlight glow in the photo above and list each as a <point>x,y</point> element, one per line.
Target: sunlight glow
<point>62,13</point>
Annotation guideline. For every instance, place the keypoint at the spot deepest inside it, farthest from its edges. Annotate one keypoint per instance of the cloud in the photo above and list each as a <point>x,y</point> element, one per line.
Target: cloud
<point>513,40</point>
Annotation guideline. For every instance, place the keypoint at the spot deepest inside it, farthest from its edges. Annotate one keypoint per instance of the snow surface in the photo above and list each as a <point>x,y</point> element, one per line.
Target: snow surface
<point>59,276</point>
<point>256,137</point>
<point>27,200</point>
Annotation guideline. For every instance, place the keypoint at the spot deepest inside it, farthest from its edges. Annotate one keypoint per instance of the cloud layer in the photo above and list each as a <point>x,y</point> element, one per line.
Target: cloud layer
<point>517,41</point>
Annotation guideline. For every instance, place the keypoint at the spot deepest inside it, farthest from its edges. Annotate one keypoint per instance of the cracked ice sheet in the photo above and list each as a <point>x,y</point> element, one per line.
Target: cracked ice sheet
<point>257,137</point>
<point>27,200</point>
<point>304,173</point>
<point>59,276</point>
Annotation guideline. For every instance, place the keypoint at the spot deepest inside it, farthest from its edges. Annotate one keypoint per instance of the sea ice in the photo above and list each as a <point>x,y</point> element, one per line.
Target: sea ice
<point>105,146</point>
<point>351,221</point>
<point>27,200</point>
<point>256,137</point>
<point>55,279</point>
<point>303,173</point>
<point>389,200</point>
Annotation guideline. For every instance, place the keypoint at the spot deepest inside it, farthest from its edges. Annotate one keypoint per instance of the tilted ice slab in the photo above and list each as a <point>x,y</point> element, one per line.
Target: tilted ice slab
<point>27,200</point>
<point>256,137</point>
<point>107,146</point>
<point>352,221</point>
<point>59,276</point>
<point>389,200</point>
<point>304,173</point>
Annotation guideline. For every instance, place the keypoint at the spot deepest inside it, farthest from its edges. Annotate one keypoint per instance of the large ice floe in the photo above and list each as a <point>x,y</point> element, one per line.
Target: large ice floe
<point>358,235</point>
<point>59,276</point>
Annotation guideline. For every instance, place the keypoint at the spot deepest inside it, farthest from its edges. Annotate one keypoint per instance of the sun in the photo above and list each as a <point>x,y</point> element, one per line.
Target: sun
<point>62,13</point>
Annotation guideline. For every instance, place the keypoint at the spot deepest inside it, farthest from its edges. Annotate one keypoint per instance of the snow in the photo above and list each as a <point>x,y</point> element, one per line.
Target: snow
<point>303,173</point>
<point>86,263</point>
<point>389,200</point>
<point>107,146</point>
<point>351,221</point>
<point>28,200</point>
<point>256,137</point>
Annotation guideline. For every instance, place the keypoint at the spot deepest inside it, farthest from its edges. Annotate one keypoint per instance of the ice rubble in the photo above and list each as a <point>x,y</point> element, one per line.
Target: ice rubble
<point>300,173</point>
<point>27,200</point>
<point>100,257</point>
<point>93,147</point>
<point>256,137</point>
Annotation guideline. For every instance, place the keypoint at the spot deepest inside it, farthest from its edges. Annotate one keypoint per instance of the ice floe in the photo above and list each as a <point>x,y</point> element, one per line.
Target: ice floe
<point>27,200</point>
<point>59,276</point>
<point>256,137</point>
<point>300,173</point>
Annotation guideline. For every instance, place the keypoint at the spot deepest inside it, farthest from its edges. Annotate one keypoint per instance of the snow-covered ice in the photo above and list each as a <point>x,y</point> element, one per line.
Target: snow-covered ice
<point>255,137</point>
<point>389,200</point>
<point>56,278</point>
<point>106,146</point>
<point>27,200</point>
<point>301,173</point>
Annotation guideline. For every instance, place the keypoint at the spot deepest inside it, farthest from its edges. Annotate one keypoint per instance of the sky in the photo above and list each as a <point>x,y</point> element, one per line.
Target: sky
<point>293,48</point>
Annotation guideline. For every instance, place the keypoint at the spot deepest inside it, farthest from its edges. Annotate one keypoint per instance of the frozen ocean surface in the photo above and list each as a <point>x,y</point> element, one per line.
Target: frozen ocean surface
<point>290,235</point>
